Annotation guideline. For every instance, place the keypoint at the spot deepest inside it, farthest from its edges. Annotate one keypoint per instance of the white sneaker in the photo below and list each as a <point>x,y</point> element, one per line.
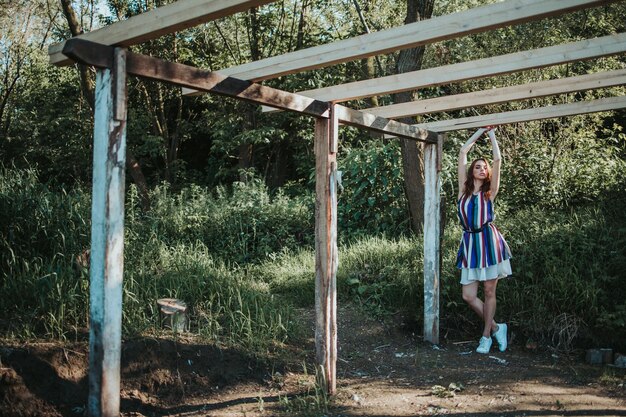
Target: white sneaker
<point>501,336</point>
<point>484,345</point>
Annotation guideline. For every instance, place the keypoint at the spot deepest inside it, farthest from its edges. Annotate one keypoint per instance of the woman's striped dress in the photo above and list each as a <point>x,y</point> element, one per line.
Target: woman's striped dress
<point>483,253</point>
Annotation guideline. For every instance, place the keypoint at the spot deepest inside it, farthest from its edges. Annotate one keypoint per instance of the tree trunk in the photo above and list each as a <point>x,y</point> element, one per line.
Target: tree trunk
<point>302,24</point>
<point>87,86</point>
<point>368,64</point>
<point>412,155</point>
<point>246,150</point>
<point>6,95</point>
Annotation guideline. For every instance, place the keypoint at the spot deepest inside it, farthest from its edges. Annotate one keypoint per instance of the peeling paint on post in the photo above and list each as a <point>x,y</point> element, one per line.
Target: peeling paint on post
<point>432,224</point>
<point>326,255</point>
<point>107,240</point>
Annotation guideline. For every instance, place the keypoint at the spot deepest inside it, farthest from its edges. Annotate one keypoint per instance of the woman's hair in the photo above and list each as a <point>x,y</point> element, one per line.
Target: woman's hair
<point>468,187</point>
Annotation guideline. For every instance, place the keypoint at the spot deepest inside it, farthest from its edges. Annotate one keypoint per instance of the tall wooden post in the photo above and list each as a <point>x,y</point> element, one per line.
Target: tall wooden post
<point>107,239</point>
<point>432,224</point>
<point>326,249</point>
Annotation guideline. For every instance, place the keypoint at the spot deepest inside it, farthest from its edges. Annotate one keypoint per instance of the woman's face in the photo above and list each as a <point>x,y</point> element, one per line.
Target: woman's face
<point>480,171</point>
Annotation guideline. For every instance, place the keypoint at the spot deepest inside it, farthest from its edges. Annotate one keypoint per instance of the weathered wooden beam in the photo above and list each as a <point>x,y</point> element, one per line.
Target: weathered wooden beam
<point>170,18</point>
<point>526,115</point>
<point>107,240</point>
<point>503,95</point>
<point>326,256</point>
<point>373,123</point>
<point>437,29</point>
<point>89,53</point>
<point>432,223</point>
<point>481,68</point>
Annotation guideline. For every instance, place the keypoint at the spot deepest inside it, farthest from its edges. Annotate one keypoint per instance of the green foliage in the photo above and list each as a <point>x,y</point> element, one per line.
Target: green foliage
<point>289,274</point>
<point>241,255</point>
<point>227,307</point>
<point>49,127</point>
<point>372,200</point>
<point>564,263</point>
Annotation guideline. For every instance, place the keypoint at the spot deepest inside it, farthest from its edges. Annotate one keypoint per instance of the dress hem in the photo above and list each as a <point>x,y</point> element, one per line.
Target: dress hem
<point>500,270</point>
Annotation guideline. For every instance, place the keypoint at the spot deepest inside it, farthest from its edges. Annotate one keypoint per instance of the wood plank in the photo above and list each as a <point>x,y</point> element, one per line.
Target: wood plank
<point>89,53</point>
<point>486,67</point>
<point>170,18</point>
<point>503,95</point>
<point>432,224</point>
<point>437,29</point>
<point>517,116</point>
<point>326,256</point>
<point>374,123</point>
<point>107,240</point>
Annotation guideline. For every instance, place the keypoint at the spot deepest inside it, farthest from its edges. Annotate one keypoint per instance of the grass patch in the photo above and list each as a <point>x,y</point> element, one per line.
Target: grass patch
<point>243,261</point>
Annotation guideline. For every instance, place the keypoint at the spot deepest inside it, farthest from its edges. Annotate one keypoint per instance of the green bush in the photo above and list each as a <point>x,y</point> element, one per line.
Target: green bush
<point>372,200</point>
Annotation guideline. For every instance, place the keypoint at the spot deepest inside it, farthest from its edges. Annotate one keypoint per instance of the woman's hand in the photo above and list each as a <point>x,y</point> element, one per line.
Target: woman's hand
<point>472,140</point>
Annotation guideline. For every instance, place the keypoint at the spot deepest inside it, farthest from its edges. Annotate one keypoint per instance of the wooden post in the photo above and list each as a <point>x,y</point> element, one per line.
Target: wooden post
<point>432,225</point>
<point>326,249</point>
<point>107,239</point>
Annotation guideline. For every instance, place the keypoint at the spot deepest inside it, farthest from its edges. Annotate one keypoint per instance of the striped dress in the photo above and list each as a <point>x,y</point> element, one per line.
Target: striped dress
<point>483,252</point>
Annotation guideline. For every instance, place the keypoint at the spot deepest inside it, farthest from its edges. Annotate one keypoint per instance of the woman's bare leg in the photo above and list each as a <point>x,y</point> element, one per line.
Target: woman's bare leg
<point>469,295</point>
<point>489,307</point>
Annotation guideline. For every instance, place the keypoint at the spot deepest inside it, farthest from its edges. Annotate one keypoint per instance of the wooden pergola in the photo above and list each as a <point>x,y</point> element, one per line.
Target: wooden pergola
<point>106,50</point>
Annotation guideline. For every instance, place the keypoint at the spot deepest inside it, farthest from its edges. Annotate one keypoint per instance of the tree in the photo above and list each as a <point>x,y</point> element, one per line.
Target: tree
<point>412,157</point>
<point>23,34</point>
<point>87,84</point>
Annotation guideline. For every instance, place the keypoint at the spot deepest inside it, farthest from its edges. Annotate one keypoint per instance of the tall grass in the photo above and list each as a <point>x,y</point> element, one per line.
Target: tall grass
<point>41,232</point>
<point>568,264</point>
<point>227,307</point>
<point>45,288</point>
<point>240,225</point>
<point>568,269</point>
<point>243,261</point>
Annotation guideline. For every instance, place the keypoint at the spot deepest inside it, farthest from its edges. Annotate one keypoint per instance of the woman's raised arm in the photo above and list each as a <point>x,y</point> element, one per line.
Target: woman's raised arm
<point>495,165</point>
<point>462,165</point>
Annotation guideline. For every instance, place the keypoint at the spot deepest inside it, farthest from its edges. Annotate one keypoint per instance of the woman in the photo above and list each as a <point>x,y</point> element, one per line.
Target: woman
<point>483,254</point>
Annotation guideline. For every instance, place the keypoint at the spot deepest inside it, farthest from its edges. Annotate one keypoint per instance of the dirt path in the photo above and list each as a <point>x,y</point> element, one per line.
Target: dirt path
<point>382,371</point>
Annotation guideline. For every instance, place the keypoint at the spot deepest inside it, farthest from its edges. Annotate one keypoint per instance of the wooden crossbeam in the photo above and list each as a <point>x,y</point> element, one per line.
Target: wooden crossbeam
<point>502,95</point>
<point>149,25</point>
<point>101,56</point>
<point>540,113</point>
<point>378,124</point>
<point>502,64</point>
<point>437,29</point>
<point>90,53</point>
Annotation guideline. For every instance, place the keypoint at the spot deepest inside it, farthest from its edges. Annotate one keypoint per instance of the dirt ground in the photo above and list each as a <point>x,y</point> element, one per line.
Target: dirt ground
<point>383,370</point>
